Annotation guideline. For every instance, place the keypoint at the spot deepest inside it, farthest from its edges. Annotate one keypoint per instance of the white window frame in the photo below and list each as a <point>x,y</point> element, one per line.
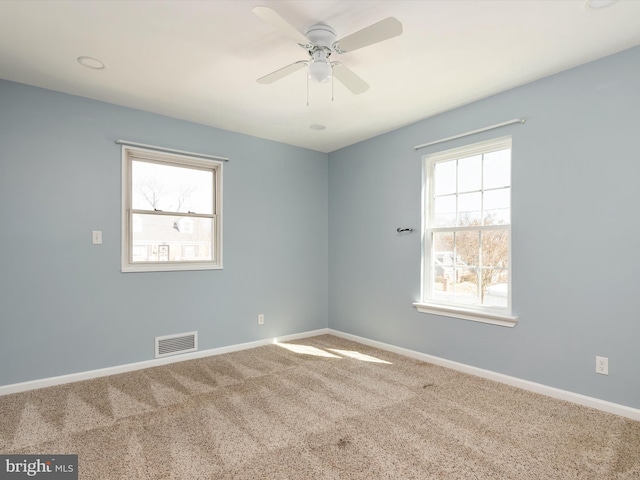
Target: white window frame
<point>129,153</point>
<point>502,316</point>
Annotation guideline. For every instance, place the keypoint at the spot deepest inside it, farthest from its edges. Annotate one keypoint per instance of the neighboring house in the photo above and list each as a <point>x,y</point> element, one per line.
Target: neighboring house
<point>181,241</point>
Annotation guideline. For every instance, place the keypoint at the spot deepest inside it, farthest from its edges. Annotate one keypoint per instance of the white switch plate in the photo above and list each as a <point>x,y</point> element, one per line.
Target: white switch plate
<point>261,319</point>
<point>96,237</point>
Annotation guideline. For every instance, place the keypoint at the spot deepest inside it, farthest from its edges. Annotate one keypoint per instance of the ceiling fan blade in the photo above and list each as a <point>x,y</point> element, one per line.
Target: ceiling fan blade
<point>383,30</point>
<point>272,17</point>
<point>283,72</point>
<point>349,79</point>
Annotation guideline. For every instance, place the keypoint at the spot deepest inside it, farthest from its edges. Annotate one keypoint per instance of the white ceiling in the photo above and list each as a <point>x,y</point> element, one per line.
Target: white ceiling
<point>199,60</point>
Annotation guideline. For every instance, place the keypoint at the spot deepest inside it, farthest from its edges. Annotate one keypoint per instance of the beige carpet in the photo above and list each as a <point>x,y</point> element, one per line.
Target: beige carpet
<point>319,408</point>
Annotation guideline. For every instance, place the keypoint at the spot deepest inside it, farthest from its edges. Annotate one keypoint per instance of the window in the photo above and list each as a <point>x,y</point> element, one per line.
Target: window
<point>172,211</point>
<point>467,235</point>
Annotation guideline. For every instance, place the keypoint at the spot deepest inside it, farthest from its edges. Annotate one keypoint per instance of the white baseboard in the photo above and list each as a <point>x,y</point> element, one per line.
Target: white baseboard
<point>104,372</point>
<point>603,405</point>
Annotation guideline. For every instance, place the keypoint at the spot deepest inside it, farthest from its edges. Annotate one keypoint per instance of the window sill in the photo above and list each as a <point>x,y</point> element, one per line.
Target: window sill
<point>169,267</point>
<point>502,320</point>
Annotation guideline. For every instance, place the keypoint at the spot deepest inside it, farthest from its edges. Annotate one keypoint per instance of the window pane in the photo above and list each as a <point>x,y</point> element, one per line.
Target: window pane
<point>444,178</point>
<point>467,256</point>
<point>497,169</point>
<point>469,209</point>
<point>442,272</point>
<point>171,188</point>
<point>496,291</point>
<point>443,242</point>
<point>494,274</point>
<point>442,264</point>
<point>468,248</point>
<point>445,211</point>
<point>470,174</point>
<point>169,238</point>
<point>466,292</point>
<point>495,249</point>
<point>496,205</point>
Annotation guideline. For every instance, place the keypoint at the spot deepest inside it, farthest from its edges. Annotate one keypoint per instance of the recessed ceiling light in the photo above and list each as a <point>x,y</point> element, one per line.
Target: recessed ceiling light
<point>317,126</point>
<point>596,4</point>
<point>91,62</point>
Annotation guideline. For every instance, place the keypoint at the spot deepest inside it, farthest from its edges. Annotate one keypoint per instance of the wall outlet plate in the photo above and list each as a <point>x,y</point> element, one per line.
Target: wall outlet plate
<point>261,319</point>
<point>602,365</point>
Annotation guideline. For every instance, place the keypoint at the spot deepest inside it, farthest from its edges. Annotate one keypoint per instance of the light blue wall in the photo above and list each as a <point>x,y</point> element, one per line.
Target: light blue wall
<point>576,233</point>
<point>64,304</point>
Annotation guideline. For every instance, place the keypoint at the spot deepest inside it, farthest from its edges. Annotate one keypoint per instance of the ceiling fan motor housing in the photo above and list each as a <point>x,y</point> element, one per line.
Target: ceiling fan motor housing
<point>321,35</point>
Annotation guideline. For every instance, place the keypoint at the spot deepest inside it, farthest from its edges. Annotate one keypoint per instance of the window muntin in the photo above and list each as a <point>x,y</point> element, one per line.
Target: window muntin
<point>172,216</point>
<point>468,227</point>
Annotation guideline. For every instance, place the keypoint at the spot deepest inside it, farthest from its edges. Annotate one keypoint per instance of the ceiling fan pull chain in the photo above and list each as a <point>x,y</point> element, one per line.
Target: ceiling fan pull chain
<point>332,84</point>
<point>307,75</point>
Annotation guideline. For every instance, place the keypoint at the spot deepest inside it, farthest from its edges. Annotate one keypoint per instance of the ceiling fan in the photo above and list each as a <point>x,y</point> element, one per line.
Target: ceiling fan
<point>320,42</point>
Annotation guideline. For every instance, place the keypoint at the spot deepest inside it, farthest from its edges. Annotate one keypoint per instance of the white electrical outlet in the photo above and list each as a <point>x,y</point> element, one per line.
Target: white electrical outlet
<point>602,365</point>
<point>261,319</point>
<point>96,237</point>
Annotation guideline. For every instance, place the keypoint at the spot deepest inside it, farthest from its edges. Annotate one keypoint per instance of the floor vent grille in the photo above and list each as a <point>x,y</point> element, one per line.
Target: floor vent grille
<point>175,344</point>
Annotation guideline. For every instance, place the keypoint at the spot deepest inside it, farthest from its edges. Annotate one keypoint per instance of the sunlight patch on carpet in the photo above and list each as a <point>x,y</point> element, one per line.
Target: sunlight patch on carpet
<point>359,356</point>
<point>307,350</point>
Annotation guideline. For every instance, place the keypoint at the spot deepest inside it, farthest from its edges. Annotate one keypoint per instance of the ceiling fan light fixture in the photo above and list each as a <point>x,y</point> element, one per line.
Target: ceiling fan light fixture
<point>320,71</point>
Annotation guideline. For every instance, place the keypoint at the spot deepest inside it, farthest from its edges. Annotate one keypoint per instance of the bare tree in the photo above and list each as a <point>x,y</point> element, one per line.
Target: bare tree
<point>184,195</point>
<point>151,191</point>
